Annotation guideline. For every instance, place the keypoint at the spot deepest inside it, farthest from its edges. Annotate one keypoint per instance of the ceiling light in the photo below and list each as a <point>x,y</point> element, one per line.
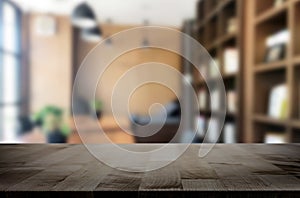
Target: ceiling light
<point>92,35</point>
<point>83,16</point>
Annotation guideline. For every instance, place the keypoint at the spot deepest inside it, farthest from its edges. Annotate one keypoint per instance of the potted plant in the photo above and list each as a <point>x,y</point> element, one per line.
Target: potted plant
<point>50,119</point>
<point>96,107</point>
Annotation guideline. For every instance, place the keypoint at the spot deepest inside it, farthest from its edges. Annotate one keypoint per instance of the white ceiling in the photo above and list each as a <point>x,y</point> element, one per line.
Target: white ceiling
<point>158,12</point>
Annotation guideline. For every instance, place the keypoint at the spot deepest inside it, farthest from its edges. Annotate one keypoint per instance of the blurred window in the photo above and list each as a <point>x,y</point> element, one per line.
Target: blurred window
<point>10,62</point>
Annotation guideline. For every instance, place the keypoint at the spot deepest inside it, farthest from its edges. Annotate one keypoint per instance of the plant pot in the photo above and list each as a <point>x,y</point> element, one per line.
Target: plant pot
<point>98,114</point>
<point>38,123</point>
<point>56,137</point>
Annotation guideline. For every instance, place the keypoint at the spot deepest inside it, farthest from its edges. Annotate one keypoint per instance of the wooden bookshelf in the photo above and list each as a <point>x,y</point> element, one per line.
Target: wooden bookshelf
<point>268,120</point>
<point>262,20</point>
<point>266,67</point>
<point>297,60</point>
<point>212,23</point>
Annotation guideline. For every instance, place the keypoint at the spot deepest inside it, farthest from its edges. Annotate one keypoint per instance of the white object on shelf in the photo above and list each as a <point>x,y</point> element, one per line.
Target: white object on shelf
<point>229,134</point>
<point>275,138</point>
<point>203,71</point>
<point>278,3</point>
<point>200,126</point>
<point>281,37</point>
<point>278,102</point>
<point>232,25</point>
<point>213,132</point>
<point>202,99</point>
<point>215,100</point>
<point>214,68</point>
<point>231,61</point>
<point>231,101</point>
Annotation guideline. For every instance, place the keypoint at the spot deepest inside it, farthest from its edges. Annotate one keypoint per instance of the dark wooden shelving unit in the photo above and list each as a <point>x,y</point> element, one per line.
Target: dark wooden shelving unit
<point>271,12</point>
<point>267,120</point>
<point>266,67</point>
<point>212,19</point>
<point>263,20</point>
<point>255,79</point>
<point>296,124</point>
<point>297,60</point>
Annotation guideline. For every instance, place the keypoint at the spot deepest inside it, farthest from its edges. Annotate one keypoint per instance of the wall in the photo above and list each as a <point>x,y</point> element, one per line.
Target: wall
<point>51,68</point>
<point>50,60</point>
<point>146,95</point>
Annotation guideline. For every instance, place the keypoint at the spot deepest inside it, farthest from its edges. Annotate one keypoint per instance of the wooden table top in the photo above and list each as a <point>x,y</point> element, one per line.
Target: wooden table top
<point>234,170</point>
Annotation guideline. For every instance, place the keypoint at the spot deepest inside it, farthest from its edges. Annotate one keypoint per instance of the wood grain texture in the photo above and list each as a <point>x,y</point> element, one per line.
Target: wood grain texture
<point>164,178</point>
<point>228,170</point>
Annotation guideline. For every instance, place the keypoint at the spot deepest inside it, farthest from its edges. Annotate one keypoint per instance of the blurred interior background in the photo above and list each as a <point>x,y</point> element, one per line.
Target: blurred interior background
<point>255,44</point>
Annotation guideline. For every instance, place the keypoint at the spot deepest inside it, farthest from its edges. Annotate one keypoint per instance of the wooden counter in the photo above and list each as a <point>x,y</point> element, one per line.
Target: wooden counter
<point>232,170</point>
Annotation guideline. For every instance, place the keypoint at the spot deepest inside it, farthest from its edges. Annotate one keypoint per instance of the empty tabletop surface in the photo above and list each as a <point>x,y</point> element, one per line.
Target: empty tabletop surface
<point>235,170</point>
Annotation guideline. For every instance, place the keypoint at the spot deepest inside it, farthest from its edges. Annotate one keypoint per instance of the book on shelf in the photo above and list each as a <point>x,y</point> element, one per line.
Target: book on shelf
<point>276,46</point>
<point>278,3</point>
<point>215,102</point>
<point>275,138</point>
<point>231,60</point>
<point>278,102</point>
<point>200,126</point>
<point>280,37</point>
<point>213,131</point>
<point>232,25</point>
<point>203,71</point>
<point>202,97</point>
<point>214,68</point>
<point>229,134</point>
<point>231,101</point>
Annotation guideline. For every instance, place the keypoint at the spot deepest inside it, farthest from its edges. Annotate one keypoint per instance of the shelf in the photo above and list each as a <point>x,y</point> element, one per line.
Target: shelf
<point>221,41</point>
<point>208,80</point>
<point>218,112</point>
<point>214,80</point>
<point>226,38</point>
<point>296,93</point>
<point>225,3</point>
<point>204,22</point>
<point>213,13</point>
<point>263,84</point>
<point>296,124</point>
<point>295,136</point>
<point>268,120</point>
<point>296,41</point>
<point>264,30</point>
<point>229,76</point>
<point>265,67</point>
<point>204,111</point>
<point>213,46</point>
<point>200,25</point>
<point>200,83</point>
<point>272,12</point>
<point>231,114</point>
<point>213,29</point>
<point>297,60</point>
